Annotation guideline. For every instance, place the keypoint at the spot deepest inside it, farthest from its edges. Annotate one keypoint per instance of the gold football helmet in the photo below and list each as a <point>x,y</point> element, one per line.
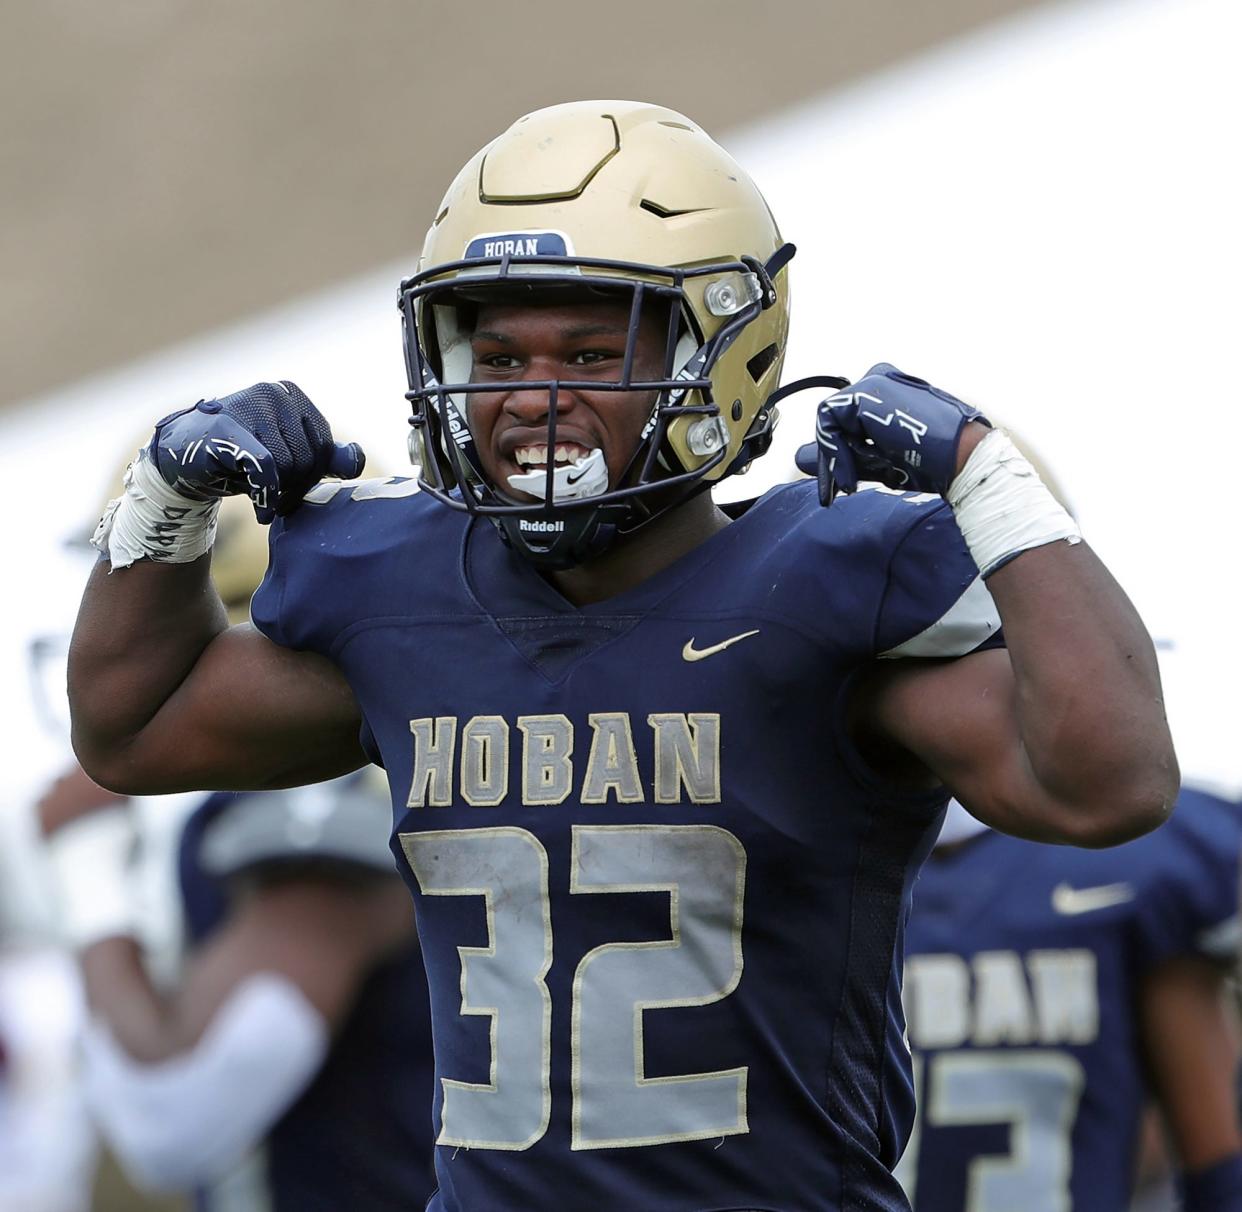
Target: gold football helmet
<point>605,198</point>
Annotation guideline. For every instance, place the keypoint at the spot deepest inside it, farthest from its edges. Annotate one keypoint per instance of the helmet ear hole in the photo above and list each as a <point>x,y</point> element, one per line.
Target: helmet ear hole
<point>761,363</point>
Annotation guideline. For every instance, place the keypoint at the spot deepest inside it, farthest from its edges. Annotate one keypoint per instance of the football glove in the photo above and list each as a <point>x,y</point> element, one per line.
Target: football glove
<point>268,441</point>
<point>889,427</point>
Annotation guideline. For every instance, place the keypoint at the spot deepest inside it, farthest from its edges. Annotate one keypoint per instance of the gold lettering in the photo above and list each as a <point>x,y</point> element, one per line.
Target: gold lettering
<point>547,753</point>
<point>485,760</point>
<point>434,742</point>
<point>687,754</point>
<point>612,764</point>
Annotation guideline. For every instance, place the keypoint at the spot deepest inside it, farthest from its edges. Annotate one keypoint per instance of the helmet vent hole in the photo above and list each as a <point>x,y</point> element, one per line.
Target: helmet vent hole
<point>736,411</point>
<point>762,362</point>
<point>440,217</point>
<point>678,126</point>
<point>665,212</point>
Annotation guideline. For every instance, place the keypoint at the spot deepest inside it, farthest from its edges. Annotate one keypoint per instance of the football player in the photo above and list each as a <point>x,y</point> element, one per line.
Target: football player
<point>47,1143</point>
<point>661,776</point>
<point>1050,993</point>
<point>288,1066</point>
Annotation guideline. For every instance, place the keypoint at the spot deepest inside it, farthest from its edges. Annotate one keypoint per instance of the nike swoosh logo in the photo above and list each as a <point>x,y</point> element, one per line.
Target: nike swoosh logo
<point>691,653</point>
<point>572,479</point>
<point>1072,901</point>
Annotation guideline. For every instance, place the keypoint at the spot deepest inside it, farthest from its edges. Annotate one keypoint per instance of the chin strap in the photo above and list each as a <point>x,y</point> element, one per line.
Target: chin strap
<point>834,382</point>
<point>554,543</point>
<point>779,259</point>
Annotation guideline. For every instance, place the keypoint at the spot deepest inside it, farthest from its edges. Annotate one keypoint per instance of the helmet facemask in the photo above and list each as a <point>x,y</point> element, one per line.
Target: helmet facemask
<point>561,527</point>
<point>616,199</point>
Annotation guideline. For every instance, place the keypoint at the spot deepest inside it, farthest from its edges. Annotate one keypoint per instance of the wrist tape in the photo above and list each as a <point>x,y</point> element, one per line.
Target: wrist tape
<point>1002,506</point>
<point>150,521</point>
<point>90,861</point>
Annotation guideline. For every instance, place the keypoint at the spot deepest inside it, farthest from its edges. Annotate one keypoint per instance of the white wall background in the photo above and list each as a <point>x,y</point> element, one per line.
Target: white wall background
<point>1042,218</point>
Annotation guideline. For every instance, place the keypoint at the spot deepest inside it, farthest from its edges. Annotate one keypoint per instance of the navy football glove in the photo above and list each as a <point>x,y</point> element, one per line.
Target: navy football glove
<point>268,441</point>
<point>889,427</point>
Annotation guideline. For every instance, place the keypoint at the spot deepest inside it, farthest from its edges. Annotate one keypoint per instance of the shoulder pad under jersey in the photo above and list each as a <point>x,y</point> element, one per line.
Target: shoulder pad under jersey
<point>891,566</point>
<point>334,559</point>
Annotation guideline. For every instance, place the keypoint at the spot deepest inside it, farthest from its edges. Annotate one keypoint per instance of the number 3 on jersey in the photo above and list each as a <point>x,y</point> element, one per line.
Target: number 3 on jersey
<point>702,868</point>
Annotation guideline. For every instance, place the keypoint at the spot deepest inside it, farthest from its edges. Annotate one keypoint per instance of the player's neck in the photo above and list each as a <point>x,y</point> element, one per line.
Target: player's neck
<point>642,555</point>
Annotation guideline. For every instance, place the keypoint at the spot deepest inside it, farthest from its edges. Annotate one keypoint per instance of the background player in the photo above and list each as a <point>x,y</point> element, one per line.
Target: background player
<point>47,1144</point>
<point>1094,982</point>
<point>288,1067</point>
<point>593,339</point>
<point>1051,992</point>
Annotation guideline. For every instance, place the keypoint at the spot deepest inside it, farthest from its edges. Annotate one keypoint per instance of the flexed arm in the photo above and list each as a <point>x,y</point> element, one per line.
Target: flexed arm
<point>164,696</point>
<point>1063,737</point>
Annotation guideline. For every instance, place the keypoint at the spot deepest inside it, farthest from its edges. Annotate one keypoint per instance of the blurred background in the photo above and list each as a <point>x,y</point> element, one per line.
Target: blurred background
<point>1031,204</point>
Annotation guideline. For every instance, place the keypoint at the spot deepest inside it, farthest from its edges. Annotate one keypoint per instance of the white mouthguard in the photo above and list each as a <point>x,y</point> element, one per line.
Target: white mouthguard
<point>586,477</point>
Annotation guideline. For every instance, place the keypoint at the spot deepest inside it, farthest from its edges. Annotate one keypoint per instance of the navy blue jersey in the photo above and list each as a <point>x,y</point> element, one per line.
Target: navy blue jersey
<point>660,897</point>
<point>1023,968</point>
<point>359,1136</point>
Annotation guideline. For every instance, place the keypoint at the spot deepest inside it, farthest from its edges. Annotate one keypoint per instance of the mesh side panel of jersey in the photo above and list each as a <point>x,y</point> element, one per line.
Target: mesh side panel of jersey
<point>856,1074</point>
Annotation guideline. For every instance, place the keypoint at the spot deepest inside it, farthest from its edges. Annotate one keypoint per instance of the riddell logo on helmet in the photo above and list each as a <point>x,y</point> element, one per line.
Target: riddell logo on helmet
<point>518,244</point>
<point>537,527</point>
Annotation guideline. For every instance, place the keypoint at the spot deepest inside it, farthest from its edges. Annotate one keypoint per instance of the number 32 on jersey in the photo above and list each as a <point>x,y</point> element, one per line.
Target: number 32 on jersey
<point>702,868</point>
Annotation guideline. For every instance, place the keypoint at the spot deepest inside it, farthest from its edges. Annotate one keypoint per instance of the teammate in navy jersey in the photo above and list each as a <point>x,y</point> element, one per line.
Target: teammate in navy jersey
<point>662,777</point>
<point>287,1067</point>
<point>287,1063</point>
<point>359,1134</point>
<point>1050,993</point>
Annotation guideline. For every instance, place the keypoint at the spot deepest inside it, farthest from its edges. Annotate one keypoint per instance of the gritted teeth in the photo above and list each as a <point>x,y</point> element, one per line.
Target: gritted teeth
<point>537,456</point>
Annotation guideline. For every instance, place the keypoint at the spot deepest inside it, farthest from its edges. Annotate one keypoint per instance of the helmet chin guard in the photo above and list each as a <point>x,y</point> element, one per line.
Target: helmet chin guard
<point>601,200</point>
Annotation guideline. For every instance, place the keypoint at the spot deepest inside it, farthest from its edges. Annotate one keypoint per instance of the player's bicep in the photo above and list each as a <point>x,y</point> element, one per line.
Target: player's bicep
<point>956,722</point>
<point>251,715</point>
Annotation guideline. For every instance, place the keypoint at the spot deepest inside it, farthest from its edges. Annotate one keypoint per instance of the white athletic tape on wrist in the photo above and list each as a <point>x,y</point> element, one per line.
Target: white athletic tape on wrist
<point>1003,507</point>
<point>151,521</point>
<point>90,867</point>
